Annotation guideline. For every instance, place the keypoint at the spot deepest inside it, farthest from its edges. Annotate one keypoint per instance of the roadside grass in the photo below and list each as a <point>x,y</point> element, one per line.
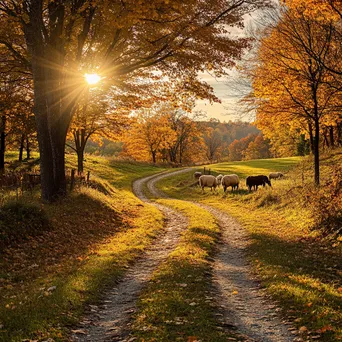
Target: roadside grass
<point>177,305</point>
<point>47,278</point>
<point>301,271</point>
<point>118,173</point>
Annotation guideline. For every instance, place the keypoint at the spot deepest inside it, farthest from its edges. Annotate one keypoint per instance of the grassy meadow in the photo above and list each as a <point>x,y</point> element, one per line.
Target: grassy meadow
<point>61,256</point>
<point>298,268</point>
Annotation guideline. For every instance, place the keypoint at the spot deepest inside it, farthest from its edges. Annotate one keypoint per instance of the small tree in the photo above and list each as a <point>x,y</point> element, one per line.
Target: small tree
<point>213,143</point>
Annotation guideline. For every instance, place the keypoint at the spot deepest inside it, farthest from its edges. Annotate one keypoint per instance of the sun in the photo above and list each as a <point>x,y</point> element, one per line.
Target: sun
<point>92,78</point>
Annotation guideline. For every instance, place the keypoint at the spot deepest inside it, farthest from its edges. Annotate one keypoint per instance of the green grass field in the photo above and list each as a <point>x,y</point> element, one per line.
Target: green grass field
<point>298,269</point>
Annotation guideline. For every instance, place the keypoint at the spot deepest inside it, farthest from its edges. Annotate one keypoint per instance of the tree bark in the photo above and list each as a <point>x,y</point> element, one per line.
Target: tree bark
<point>2,143</point>
<point>316,152</point>
<point>21,147</point>
<point>312,146</point>
<point>173,154</point>
<point>331,136</point>
<point>153,156</point>
<point>53,104</point>
<point>28,149</point>
<point>339,134</point>
<point>80,140</point>
<point>326,141</point>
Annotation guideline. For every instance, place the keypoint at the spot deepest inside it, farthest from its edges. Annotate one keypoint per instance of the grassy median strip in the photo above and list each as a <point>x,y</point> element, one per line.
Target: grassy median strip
<point>177,304</point>
<point>300,270</point>
<point>46,279</point>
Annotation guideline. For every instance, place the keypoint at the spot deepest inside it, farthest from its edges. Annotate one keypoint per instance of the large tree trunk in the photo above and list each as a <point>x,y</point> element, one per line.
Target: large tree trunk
<point>21,147</point>
<point>54,98</point>
<point>52,128</point>
<point>2,143</point>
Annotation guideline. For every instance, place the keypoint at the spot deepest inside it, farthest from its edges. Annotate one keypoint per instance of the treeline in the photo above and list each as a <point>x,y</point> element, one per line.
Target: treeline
<point>297,78</point>
<point>171,135</point>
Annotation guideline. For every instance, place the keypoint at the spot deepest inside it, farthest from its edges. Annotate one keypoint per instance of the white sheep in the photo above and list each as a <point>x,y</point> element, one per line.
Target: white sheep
<point>197,174</point>
<point>208,181</point>
<point>219,179</point>
<point>230,180</point>
<point>275,175</point>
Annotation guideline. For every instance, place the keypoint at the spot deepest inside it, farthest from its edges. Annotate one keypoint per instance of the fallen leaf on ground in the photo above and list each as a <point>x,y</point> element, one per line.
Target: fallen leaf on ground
<point>79,331</point>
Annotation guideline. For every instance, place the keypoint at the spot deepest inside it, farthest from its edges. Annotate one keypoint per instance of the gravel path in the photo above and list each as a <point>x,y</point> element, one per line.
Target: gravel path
<point>110,321</point>
<point>242,303</point>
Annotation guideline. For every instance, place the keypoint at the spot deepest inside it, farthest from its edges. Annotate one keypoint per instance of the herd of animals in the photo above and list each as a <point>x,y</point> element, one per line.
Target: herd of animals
<point>252,182</point>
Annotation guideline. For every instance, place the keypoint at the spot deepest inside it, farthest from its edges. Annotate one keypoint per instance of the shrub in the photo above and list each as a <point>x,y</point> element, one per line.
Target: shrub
<point>19,221</point>
<point>327,205</point>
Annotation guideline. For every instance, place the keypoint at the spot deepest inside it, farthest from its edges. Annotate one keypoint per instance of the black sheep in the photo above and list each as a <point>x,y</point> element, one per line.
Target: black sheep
<point>255,181</point>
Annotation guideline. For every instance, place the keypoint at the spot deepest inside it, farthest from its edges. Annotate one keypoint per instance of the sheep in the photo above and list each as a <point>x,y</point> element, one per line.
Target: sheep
<point>275,175</point>
<point>208,181</point>
<point>255,181</point>
<point>230,180</point>
<point>219,180</point>
<point>197,174</point>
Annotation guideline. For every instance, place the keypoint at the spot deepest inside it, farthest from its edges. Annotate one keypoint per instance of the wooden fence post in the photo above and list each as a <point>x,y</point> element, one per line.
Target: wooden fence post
<point>72,179</point>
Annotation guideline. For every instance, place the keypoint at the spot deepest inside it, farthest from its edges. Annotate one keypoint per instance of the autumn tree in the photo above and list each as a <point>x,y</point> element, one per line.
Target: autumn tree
<point>16,113</point>
<point>59,41</point>
<point>213,142</point>
<point>237,148</point>
<point>149,135</point>
<point>186,130</point>
<point>292,86</point>
<point>259,148</point>
<point>98,115</point>
<point>22,134</point>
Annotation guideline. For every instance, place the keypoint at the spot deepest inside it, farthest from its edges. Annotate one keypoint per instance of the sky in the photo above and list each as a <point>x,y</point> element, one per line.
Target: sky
<point>229,108</point>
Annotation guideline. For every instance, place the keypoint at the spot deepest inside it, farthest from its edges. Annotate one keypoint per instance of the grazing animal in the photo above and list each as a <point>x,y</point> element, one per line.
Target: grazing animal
<point>275,175</point>
<point>219,180</point>
<point>230,180</point>
<point>208,181</point>
<point>197,174</point>
<point>255,181</point>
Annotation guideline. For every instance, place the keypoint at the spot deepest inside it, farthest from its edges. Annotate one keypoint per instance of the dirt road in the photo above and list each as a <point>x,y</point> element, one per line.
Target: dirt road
<point>243,305</point>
